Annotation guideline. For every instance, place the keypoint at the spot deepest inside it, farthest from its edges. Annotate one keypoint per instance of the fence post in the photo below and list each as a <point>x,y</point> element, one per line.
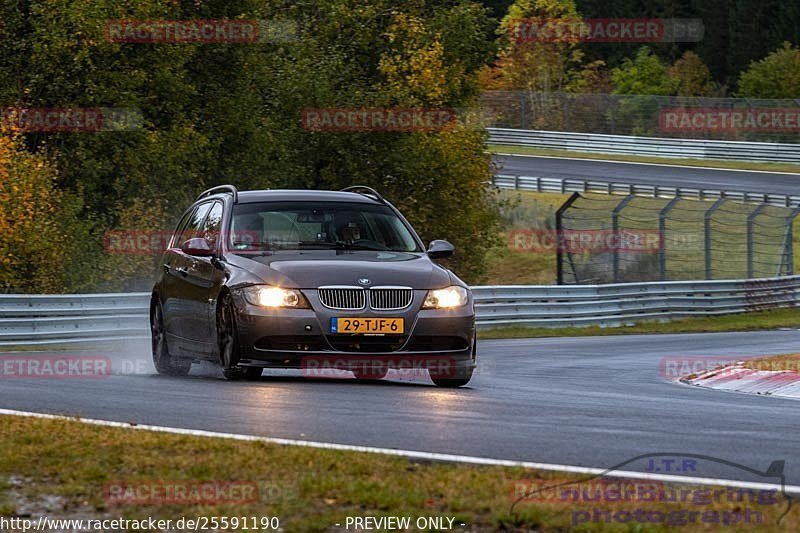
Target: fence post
<point>788,247</point>
<point>559,248</point>
<point>524,124</point>
<point>707,227</point>
<point>615,229</point>
<point>612,108</point>
<point>662,230</point>
<point>751,219</point>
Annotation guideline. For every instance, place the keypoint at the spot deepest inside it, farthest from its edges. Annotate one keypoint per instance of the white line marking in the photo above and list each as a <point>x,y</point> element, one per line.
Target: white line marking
<point>649,164</point>
<point>428,456</point>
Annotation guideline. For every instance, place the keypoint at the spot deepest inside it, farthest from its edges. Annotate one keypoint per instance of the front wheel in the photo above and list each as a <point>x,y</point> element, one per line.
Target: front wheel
<point>452,381</point>
<point>374,372</point>
<point>228,340</point>
<point>165,362</point>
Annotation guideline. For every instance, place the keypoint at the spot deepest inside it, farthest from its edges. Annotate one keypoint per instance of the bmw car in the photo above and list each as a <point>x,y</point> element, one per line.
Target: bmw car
<point>320,281</point>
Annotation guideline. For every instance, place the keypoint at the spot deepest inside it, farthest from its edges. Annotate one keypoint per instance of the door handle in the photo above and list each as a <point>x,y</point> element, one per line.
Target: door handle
<point>165,268</point>
<point>182,271</point>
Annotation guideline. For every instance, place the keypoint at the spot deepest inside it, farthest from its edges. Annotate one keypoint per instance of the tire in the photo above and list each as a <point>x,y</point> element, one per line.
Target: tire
<point>452,382</point>
<point>461,378</point>
<point>371,373</point>
<point>165,363</point>
<point>228,341</point>
<point>251,373</point>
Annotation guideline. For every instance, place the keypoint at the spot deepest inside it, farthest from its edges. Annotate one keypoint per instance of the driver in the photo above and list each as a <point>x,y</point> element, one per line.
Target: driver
<point>348,227</point>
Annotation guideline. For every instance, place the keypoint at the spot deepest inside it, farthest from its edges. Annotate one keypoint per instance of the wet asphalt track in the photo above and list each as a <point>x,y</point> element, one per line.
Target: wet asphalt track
<point>578,401</point>
<point>643,174</point>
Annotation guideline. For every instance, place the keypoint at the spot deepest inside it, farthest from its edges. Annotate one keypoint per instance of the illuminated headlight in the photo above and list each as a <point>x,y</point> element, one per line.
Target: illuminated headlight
<point>266,296</point>
<point>446,298</point>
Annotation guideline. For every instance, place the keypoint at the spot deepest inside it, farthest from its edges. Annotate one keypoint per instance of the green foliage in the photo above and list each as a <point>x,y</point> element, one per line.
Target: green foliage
<point>40,225</point>
<point>736,32</point>
<point>645,74</point>
<point>230,113</point>
<point>775,76</point>
<point>538,66</point>
<point>691,77</point>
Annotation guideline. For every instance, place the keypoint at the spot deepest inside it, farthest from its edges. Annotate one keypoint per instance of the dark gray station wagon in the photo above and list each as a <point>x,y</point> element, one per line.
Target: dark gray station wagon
<point>323,281</point>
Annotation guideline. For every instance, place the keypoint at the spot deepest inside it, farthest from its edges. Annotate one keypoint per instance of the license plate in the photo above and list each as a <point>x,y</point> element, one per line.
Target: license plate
<point>367,326</point>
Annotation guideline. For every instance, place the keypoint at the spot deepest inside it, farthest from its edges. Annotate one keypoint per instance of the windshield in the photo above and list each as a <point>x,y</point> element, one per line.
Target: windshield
<point>275,226</point>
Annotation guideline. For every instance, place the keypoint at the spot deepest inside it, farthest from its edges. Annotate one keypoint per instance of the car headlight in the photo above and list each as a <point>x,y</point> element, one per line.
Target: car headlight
<point>447,298</point>
<point>268,296</point>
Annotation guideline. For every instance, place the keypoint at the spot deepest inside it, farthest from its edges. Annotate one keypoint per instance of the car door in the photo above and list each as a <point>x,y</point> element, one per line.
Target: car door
<point>179,291</point>
<point>204,280</point>
<point>169,284</point>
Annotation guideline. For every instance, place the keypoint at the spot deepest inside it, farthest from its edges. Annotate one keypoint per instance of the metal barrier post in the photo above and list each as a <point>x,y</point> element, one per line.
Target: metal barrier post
<point>559,230</point>
<point>751,219</point>
<point>707,227</point>
<point>662,230</point>
<point>615,229</point>
<point>788,246</point>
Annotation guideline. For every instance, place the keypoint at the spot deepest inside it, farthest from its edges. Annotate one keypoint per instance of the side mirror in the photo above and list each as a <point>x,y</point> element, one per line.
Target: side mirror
<point>197,246</point>
<point>440,250</point>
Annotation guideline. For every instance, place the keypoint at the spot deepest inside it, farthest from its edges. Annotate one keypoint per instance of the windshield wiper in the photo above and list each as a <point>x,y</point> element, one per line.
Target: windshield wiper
<point>342,245</point>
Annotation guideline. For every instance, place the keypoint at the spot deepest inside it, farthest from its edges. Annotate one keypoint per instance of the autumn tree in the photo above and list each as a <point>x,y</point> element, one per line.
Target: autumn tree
<point>38,222</point>
<point>230,113</point>
<point>528,63</point>
<point>691,77</point>
<point>775,76</point>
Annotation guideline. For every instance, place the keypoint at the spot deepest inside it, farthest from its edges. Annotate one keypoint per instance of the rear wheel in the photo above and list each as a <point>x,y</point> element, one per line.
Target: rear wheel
<point>165,362</point>
<point>228,339</point>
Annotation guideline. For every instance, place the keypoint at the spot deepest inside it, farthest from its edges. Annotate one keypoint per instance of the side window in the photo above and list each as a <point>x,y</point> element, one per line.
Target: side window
<point>174,241</point>
<point>194,224</point>
<point>212,225</point>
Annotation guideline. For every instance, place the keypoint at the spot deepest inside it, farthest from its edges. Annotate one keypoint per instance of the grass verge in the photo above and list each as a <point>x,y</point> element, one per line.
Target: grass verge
<point>67,465</point>
<point>775,363</point>
<point>790,168</point>
<point>758,321</point>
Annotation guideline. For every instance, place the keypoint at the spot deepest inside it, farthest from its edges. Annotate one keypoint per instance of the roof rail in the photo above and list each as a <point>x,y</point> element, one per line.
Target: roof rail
<point>365,191</point>
<point>221,188</point>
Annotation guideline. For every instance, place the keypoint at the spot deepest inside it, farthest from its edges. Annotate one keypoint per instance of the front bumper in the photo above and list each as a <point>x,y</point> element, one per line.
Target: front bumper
<point>301,338</point>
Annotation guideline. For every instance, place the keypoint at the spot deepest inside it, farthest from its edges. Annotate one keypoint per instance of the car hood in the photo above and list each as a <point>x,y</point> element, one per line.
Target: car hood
<point>309,270</point>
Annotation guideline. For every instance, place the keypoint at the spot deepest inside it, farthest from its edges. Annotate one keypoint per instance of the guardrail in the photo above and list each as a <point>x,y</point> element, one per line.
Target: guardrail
<point>627,303</point>
<point>71,318</point>
<point>570,185</point>
<point>648,146</point>
<point>42,320</point>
